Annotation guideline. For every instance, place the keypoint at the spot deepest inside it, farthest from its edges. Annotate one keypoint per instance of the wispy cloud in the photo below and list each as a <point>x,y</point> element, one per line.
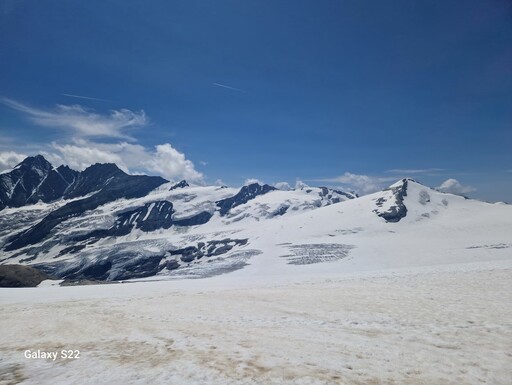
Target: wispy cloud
<point>81,121</point>
<point>83,146</point>
<point>363,184</point>
<point>85,97</point>
<point>299,184</point>
<point>285,186</point>
<point>251,181</point>
<point>228,87</point>
<point>413,170</point>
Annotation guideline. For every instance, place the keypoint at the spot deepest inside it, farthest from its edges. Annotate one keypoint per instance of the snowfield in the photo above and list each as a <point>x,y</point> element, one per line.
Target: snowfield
<point>449,324</point>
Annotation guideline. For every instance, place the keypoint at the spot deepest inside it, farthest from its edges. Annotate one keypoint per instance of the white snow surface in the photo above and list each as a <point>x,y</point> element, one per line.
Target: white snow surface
<point>448,324</point>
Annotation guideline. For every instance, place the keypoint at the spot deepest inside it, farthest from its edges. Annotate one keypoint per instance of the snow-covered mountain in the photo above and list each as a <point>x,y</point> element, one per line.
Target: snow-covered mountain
<point>34,180</point>
<point>104,224</point>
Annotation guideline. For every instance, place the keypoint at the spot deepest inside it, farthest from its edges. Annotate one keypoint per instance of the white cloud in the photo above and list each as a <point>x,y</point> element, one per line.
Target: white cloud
<point>170,163</point>
<point>251,181</point>
<point>362,184</point>
<point>300,184</point>
<point>9,159</point>
<point>79,151</point>
<point>81,155</point>
<point>285,186</point>
<point>81,121</point>
<point>453,186</point>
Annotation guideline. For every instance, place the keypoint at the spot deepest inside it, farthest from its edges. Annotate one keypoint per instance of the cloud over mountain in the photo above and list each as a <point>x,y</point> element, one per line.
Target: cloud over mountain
<point>9,159</point>
<point>363,184</point>
<point>84,142</point>
<point>453,186</point>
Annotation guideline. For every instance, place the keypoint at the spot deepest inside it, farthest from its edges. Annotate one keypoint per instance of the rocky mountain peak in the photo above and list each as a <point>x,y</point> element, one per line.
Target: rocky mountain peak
<point>103,169</point>
<point>181,184</point>
<point>245,194</point>
<point>36,164</point>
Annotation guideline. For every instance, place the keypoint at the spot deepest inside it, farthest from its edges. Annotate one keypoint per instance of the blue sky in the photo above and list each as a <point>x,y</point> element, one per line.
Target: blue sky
<point>343,93</point>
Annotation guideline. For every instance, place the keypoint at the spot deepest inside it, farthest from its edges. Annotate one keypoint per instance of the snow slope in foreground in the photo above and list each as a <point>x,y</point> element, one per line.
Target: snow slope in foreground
<point>449,325</point>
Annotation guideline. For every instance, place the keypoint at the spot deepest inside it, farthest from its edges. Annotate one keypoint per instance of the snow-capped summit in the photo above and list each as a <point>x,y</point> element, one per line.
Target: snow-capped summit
<point>35,179</point>
<point>245,194</point>
<point>32,180</point>
<point>98,185</point>
<point>181,184</point>
<point>94,178</point>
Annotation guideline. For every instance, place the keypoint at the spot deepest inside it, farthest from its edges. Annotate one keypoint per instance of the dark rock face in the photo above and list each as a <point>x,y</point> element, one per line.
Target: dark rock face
<point>98,271</point>
<point>21,276</point>
<point>181,184</point>
<point>111,266</point>
<point>94,178</point>
<point>55,185</point>
<point>17,186</point>
<point>281,210</point>
<point>398,211</point>
<point>327,194</point>
<point>172,265</point>
<point>209,249</point>
<point>188,254</point>
<point>35,179</point>
<point>116,185</point>
<point>68,175</point>
<point>71,249</point>
<point>245,194</point>
<point>32,180</point>
<point>151,216</point>
<point>195,220</point>
<point>330,194</point>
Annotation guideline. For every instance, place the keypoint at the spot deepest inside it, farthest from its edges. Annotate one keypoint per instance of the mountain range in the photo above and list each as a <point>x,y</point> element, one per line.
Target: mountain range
<point>104,224</point>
